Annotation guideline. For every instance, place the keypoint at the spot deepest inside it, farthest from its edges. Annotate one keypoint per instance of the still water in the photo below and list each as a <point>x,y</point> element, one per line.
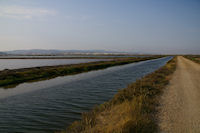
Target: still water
<point>26,63</point>
<point>51,105</point>
<point>68,56</point>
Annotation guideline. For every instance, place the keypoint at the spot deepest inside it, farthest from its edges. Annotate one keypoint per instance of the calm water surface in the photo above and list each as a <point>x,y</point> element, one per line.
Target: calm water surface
<point>51,105</point>
<point>26,63</point>
<point>70,56</point>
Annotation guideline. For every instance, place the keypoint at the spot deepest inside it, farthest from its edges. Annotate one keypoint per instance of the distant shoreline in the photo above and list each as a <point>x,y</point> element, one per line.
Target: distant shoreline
<point>69,56</point>
<point>10,78</point>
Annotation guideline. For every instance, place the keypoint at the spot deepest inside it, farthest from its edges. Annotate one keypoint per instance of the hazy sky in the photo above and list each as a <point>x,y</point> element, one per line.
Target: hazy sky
<point>152,26</point>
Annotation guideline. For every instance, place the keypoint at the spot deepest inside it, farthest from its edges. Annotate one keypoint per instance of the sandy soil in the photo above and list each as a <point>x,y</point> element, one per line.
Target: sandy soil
<point>180,103</point>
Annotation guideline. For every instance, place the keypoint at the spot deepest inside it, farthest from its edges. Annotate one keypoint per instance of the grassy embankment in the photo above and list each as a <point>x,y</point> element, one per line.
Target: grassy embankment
<point>9,78</point>
<point>195,58</point>
<point>131,110</point>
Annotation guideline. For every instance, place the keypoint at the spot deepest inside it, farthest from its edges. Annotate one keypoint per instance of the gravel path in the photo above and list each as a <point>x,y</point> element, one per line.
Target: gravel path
<point>180,103</point>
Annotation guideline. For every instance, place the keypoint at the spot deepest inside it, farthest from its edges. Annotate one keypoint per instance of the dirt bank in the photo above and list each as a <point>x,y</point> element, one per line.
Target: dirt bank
<point>180,103</point>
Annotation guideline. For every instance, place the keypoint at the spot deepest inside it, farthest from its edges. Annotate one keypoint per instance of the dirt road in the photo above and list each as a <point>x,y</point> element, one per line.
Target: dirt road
<point>180,103</point>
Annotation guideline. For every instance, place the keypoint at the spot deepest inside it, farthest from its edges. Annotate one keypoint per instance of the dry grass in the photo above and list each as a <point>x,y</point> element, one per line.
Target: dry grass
<point>132,109</point>
<point>195,58</point>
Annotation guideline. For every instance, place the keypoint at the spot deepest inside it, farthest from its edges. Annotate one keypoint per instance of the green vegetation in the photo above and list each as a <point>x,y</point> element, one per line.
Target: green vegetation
<point>131,110</point>
<point>195,58</point>
<point>14,77</point>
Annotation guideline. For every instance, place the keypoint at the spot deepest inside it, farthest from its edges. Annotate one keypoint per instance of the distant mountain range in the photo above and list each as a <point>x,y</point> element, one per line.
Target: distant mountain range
<point>59,52</point>
<point>2,53</point>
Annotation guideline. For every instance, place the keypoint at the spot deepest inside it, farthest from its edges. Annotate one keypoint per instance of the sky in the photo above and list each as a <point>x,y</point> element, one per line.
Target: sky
<point>144,26</point>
